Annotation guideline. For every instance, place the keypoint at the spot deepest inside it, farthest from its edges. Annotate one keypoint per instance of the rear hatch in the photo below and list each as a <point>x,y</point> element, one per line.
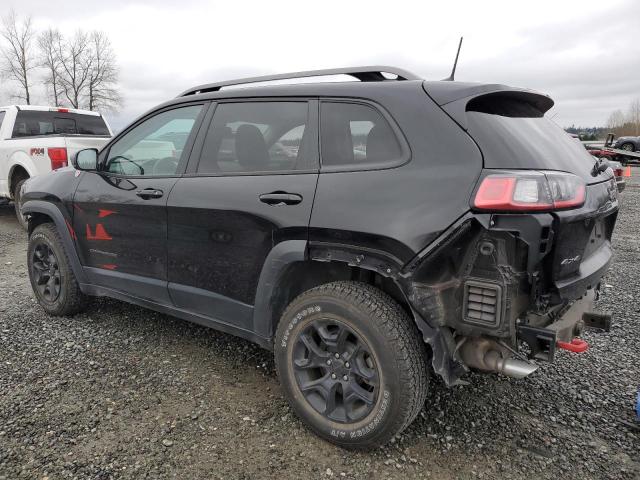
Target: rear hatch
<point>512,132</point>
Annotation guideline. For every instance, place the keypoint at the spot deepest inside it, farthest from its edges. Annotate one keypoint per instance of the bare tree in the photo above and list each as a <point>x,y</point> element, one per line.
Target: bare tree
<point>616,120</point>
<point>49,42</point>
<point>634,116</point>
<point>17,56</point>
<point>102,91</point>
<point>76,63</point>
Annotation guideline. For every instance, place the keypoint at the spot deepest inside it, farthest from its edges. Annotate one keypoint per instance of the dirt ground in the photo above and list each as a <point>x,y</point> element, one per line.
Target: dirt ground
<point>121,392</point>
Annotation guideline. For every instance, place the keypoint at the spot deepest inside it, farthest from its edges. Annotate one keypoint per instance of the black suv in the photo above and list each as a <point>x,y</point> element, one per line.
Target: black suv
<point>366,231</point>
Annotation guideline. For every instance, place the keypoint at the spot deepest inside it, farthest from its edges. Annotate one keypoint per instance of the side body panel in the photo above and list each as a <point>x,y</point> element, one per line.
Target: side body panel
<point>222,233</point>
<point>121,238</point>
<point>401,210</point>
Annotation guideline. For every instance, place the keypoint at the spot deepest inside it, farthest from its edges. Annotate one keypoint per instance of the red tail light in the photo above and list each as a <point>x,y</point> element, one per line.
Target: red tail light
<point>58,157</point>
<point>618,172</point>
<point>529,191</point>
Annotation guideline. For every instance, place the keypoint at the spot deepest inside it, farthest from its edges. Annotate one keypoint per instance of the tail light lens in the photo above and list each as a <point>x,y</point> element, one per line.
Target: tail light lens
<point>58,157</point>
<point>618,172</point>
<point>529,191</point>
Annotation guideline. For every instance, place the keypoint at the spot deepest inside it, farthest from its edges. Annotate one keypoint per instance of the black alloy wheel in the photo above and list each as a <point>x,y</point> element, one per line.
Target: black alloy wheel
<point>46,272</point>
<point>52,278</point>
<point>336,371</point>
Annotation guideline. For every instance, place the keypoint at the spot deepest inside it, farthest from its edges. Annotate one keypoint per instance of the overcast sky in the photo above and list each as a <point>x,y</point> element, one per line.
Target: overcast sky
<point>585,54</point>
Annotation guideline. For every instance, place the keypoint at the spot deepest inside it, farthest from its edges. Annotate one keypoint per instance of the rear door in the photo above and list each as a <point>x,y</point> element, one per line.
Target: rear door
<point>251,187</point>
<point>120,216</point>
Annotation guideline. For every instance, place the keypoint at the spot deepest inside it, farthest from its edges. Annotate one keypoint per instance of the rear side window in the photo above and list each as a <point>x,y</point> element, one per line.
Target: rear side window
<point>258,137</point>
<point>356,135</point>
<point>1,118</point>
<point>31,123</point>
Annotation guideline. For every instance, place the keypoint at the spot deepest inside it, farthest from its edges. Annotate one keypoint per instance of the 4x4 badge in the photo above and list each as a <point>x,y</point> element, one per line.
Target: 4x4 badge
<point>570,260</point>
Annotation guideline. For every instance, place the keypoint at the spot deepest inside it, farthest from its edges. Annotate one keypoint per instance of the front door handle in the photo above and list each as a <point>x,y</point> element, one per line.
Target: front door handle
<point>148,193</point>
<point>280,198</point>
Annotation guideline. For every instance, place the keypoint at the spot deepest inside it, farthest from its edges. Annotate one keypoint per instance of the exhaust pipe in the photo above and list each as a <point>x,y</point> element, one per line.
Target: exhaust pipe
<point>508,366</point>
<point>487,355</point>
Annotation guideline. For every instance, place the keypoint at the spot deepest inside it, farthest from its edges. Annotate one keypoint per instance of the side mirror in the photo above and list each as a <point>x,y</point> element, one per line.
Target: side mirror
<point>86,159</point>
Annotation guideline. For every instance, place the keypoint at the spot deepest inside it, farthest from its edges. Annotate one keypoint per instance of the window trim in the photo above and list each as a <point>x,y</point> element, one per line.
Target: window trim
<point>312,124</point>
<point>405,149</point>
<point>188,146</point>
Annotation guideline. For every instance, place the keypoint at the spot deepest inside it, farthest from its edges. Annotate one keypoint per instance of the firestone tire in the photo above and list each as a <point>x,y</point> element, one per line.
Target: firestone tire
<point>363,403</point>
<point>52,279</point>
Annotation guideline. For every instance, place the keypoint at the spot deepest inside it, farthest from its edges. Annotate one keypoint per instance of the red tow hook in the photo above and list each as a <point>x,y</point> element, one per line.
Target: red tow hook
<point>577,345</point>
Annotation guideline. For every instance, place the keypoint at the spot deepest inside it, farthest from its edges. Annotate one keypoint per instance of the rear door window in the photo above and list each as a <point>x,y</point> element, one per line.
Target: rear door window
<point>31,123</point>
<point>249,137</point>
<point>354,136</point>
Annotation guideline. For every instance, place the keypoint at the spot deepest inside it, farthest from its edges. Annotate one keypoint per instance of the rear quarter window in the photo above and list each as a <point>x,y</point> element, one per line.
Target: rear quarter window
<point>357,136</point>
<point>30,123</point>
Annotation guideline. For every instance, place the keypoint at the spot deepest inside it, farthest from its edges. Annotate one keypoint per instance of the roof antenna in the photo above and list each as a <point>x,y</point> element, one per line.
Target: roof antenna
<point>450,78</point>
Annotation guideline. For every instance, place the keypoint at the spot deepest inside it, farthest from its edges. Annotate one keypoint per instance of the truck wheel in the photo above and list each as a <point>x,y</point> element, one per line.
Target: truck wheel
<point>22,220</point>
<point>352,364</point>
<point>52,278</point>
<point>629,147</point>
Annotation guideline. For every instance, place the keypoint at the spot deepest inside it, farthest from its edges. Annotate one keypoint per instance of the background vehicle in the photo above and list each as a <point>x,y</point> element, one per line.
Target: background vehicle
<point>630,144</point>
<point>618,169</point>
<point>35,140</point>
<point>417,222</point>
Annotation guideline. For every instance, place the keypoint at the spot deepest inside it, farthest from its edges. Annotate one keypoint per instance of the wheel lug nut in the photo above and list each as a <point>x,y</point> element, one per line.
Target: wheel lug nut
<point>328,362</point>
<point>346,364</point>
<point>337,355</point>
<point>345,378</point>
<point>334,376</point>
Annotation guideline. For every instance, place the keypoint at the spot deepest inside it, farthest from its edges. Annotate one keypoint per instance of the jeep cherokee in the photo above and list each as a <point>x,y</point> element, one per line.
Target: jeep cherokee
<point>367,231</point>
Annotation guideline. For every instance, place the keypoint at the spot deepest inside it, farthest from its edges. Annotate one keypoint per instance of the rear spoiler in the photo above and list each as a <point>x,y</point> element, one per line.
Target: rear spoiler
<point>454,97</point>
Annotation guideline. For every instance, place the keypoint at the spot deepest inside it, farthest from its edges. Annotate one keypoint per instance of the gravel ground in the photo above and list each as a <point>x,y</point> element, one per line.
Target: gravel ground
<point>120,392</point>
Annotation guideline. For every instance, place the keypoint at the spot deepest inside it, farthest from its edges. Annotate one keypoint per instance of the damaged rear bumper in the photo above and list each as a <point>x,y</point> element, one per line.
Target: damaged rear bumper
<point>496,290</point>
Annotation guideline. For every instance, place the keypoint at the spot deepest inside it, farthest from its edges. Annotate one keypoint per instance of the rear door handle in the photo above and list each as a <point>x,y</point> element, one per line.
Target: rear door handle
<point>148,193</point>
<point>280,198</point>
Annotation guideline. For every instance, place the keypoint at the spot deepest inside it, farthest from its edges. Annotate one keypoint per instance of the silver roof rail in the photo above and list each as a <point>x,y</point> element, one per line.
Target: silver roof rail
<point>364,74</point>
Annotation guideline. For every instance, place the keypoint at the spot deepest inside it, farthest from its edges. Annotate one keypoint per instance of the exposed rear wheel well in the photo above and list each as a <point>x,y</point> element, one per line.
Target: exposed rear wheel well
<point>302,276</point>
<point>17,174</point>
<point>36,219</point>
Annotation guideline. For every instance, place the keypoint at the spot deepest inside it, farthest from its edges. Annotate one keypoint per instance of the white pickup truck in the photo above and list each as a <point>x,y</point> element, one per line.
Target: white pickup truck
<point>36,140</point>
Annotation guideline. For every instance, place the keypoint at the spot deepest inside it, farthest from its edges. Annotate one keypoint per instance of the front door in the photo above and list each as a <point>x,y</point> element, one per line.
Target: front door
<point>120,216</point>
<point>252,188</point>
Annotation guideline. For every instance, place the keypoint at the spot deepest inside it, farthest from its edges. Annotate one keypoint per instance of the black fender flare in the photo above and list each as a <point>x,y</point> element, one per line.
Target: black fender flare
<point>280,257</point>
<point>46,208</point>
